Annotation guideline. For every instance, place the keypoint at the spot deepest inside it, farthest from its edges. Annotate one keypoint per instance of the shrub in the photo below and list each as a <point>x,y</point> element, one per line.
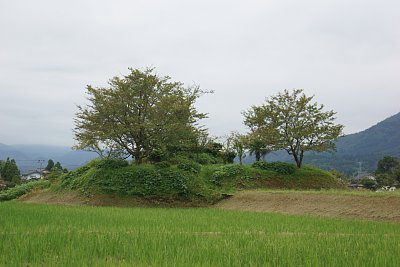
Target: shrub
<point>162,164</point>
<point>205,159</point>
<point>278,167</point>
<point>189,166</point>
<point>158,155</point>
<point>260,165</point>
<point>368,183</point>
<point>227,171</point>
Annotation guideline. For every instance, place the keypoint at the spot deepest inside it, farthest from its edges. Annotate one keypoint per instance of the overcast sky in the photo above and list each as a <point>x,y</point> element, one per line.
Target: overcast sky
<point>345,52</point>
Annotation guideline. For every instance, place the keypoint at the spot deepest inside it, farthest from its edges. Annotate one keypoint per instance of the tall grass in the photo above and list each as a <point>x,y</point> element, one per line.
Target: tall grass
<point>42,235</point>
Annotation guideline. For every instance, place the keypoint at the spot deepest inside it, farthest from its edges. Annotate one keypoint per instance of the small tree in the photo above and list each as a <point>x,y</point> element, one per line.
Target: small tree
<point>258,144</point>
<point>295,124</point>
<point>387,165</point>
<point>50,165</point>
<point>239,145</point>
<point>58,166</point>
<point>10,171</point>
<point>388,171</point>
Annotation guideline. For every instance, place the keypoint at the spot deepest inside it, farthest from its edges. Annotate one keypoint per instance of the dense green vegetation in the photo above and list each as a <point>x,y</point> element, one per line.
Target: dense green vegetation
<point>9,172</point>
<point>40,235</point>
<point>22,189</point>
<point>190,181</point>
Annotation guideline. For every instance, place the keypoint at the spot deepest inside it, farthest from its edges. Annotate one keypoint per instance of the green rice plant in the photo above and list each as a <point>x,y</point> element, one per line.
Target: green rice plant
<point>46,235</point>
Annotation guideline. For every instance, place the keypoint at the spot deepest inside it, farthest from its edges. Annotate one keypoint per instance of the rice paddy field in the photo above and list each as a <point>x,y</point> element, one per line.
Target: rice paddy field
<point>54,235</point>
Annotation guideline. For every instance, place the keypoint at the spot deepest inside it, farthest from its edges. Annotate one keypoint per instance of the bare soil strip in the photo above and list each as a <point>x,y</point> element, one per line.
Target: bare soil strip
<point>329,205</point>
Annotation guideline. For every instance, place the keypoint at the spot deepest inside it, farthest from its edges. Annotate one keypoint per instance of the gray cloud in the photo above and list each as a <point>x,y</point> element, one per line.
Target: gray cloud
<point>343,52</point>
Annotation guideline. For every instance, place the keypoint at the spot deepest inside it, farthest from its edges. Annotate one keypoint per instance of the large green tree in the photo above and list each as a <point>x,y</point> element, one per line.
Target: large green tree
<point>294,123</point>
<point>140,112</point>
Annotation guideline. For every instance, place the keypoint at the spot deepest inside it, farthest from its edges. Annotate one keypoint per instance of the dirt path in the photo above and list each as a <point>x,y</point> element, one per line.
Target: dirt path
<point>301,203</point>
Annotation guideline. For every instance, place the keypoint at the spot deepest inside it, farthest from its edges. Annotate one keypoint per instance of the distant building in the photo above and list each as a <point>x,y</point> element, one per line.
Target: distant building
<point>32,175</point>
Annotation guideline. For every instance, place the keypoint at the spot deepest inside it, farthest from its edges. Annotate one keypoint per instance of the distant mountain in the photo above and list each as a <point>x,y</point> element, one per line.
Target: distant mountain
<point>28,156</point>
<point>368,147</point>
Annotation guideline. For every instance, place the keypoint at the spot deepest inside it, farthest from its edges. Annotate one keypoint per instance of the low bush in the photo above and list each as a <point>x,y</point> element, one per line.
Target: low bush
<point>162,164</point>
<point>226,172</point>
<point>189,166</point>
<point>278,167</point>
<point>22,189</point>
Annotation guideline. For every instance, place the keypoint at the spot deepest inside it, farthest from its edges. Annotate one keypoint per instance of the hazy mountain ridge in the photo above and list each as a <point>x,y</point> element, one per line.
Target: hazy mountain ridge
<point>28,156</point>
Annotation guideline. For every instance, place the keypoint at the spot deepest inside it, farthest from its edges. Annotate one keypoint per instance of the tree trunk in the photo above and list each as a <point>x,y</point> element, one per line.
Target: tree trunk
<point>138,157</point>
<point>297,159</point>
<point>258,155</point>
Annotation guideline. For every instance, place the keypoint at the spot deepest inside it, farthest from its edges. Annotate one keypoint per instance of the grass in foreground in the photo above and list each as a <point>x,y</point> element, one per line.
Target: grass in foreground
<point>41,235</point>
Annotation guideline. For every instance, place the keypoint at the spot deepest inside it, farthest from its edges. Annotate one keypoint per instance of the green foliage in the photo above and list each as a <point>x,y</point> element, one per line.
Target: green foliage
<point>278,167</point>
<point>162,164</point>
<point>226,172</point>
<point>388,171</point>
<point>258,143</point>
<point>50,165</point>
<point>190,181</point>
<point>189,166</point>
<point>385,179</point>
<point>22,189</point>
<point>55,174</point>
<point>205,159</point>
<point>143,181</point>
<point>228,156</point>
<point>10,171</point>
<point>58,166</point>
<point>140,113</point>
<point>290,121</point>
<point>387,164</point>
<point>368,183</point>
<point>239,145</point>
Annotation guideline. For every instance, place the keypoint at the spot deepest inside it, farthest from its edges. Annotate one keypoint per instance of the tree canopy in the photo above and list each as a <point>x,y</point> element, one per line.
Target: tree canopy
<point>9,170</point>
<point>291,121</point>
<point>139,113</point>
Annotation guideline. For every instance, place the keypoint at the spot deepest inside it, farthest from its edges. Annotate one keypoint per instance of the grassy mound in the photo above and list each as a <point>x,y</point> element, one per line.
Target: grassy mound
<point>190,182</point>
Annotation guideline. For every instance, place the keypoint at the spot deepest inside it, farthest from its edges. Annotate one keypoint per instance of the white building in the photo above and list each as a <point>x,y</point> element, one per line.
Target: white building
<point>32,175</point>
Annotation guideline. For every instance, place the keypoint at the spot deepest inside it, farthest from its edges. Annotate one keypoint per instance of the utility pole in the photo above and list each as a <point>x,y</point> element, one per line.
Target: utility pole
<point>359,170</point>
<point>40,161</point>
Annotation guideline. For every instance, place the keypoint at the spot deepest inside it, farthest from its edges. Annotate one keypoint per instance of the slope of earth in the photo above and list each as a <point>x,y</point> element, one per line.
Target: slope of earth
<point>364,206</point>
<point>76,198</point>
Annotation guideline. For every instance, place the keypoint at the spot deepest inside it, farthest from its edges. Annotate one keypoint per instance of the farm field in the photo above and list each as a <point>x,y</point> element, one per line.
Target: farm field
<point>364,205</point>
<point>54,235</point>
